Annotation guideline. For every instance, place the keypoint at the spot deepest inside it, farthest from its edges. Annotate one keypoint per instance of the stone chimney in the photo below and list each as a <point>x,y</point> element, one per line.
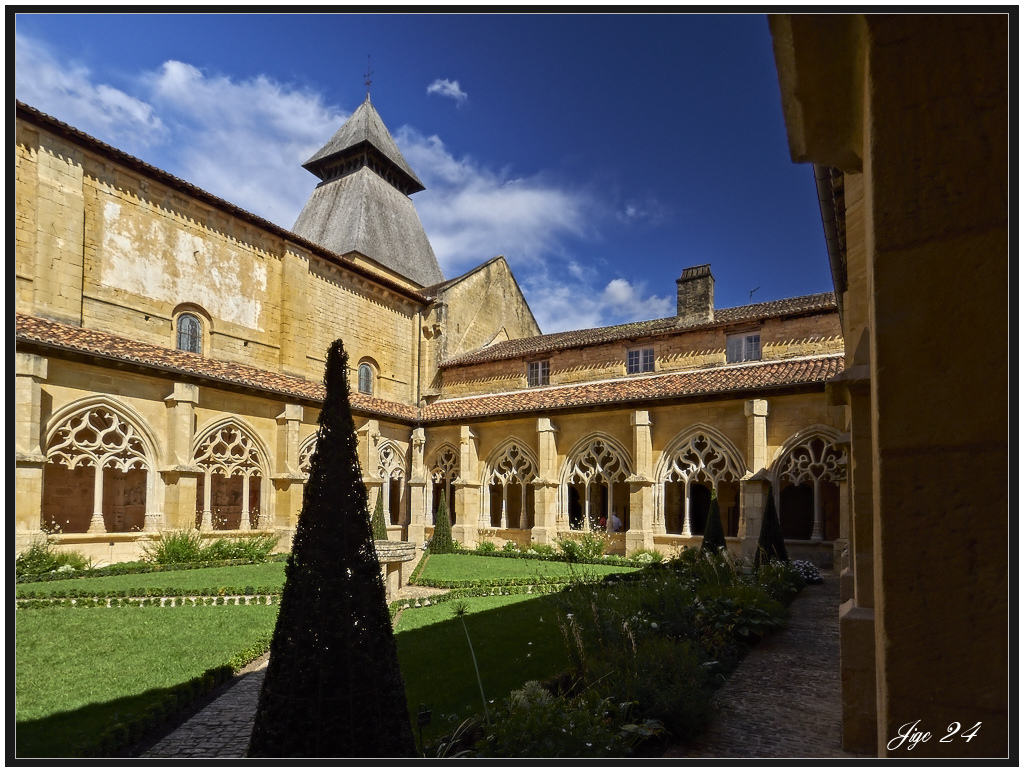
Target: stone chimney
<point>695,296</point>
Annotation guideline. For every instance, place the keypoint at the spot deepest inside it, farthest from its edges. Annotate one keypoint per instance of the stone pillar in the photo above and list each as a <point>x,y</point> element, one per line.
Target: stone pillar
<point>294,309</point>
<point>29,459</point>
<point>754,486</point>
<point>641,486</point>
<point>289,482</point>
<point>180,474</point>
<point>545,486</point>
<point>467,490</point>
<point>417,489</point>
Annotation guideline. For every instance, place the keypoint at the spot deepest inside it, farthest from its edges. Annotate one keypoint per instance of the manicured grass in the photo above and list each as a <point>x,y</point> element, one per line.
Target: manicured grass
<point>482,567</point>
<point>176,582</point>
<point>79,671</point>
<point>515,638</point>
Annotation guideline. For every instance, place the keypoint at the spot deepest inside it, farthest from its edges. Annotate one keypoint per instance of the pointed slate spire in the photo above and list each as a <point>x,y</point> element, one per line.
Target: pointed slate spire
<point>362,203</point>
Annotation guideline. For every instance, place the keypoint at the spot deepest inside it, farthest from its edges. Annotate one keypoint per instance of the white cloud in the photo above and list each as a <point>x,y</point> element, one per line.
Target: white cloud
<point>245,141</point>
<point>67,92</point>
<point>649,211</point>
<point>448,88</point>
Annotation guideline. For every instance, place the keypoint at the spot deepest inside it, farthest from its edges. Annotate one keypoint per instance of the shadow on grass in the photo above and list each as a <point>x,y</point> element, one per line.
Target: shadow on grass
<point>105,729</point>
<point>515,643</point>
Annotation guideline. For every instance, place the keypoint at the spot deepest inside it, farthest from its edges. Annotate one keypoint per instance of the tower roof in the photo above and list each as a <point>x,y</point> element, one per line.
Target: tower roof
<point>362,203</point>
<point>363,131</point>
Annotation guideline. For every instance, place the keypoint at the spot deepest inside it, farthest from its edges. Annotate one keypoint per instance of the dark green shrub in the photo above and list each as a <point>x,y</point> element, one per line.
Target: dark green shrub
<point>441,542</point>
<point>714,536</point>
<point>770,543</point>
<point>583,547</point>
<point>333,688</point>
<point>379,527</point>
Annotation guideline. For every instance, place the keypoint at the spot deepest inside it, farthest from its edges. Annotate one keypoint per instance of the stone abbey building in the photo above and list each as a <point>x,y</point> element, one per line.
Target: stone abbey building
<point>170,354</point>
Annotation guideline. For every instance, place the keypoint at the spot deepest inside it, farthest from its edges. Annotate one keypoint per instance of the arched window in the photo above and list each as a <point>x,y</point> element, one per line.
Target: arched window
<point>694,465</point>
<point>392,472</point>
<point>508,497</point>
<point>234,468</point>
<point>190,333</point>
<point>595,481</point>
<point>444,471</point>
<point>807,487</point>
<point>366,379</point>
<point>97,475</point>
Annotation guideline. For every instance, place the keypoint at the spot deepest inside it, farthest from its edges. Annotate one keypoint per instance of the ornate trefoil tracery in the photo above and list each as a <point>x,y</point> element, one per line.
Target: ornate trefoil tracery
<point>444,471</point>
<point>513,468</point>
<point>814,461</point>
<point>99,438</point>
<point>700,458</point>
<point>228,451</point>
<point>596,464</point>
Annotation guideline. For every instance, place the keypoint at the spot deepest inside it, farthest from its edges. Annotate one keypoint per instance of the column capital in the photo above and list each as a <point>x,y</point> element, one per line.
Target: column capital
<point>30,365</point>
<point>755,407</point>
<point>640,418</point>
<point>291,413</point>
<point>183,392</point>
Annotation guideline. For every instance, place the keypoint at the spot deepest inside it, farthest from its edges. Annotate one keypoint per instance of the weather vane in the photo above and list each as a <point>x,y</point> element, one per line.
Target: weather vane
<point>369,72</point>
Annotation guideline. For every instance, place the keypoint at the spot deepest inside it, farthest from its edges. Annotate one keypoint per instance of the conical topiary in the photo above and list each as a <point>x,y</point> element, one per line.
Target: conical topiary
<point>377,524</point>
<point>714,536</point>
<point>770,543</point>
<point>333,688</point>
<point>441,542</point>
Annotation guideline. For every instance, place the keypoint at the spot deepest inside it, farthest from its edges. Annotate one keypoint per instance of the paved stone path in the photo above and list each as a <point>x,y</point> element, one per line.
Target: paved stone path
<point>781,702</point>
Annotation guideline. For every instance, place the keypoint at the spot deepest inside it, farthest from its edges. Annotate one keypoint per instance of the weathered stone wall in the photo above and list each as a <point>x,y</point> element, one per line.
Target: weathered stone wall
<point>780,338</point>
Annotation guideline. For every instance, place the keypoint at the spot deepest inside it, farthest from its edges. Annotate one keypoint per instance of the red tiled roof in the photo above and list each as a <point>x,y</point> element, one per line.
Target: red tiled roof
<point>32,329</point>
<point>558,341</point>
<point>715,380</point>
<point>726,379</point>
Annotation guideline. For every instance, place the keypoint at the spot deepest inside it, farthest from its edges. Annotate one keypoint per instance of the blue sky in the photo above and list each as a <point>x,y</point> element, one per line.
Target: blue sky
<point>600,154</point>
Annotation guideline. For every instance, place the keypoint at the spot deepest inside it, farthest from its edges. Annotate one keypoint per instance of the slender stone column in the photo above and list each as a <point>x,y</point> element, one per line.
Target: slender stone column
<point>754,486</point>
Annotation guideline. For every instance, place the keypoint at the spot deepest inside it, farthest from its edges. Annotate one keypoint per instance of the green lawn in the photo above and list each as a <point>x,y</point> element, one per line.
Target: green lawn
<point>79,671</point>
<point>515,638</point>
<point>481,568</point>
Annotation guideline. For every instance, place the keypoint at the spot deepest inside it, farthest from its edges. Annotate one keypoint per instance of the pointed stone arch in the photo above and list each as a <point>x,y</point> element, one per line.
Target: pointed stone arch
<point>507,501</point>
<point>698,460</point>
<point>392,471</point>
<point>806,474</point>
<point>225,449</point>
<point>443,471</point>
<point>123,492</point>
<point>593,483</point>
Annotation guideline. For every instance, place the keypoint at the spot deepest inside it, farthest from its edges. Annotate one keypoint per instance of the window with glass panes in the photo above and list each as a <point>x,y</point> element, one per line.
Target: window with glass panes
<point>640,360</point>
<point>745,347</point>
<point>190,334</point>
<point>538,373</point>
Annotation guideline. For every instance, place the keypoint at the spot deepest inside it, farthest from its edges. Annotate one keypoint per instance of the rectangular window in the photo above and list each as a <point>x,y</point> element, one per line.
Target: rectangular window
<point>745,347</point>
<point>640,360</point>
<point>538,372</point>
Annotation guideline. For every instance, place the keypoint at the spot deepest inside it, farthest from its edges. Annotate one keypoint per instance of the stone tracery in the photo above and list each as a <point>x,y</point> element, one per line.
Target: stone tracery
<point>228,451</point>
<point>510,473</point>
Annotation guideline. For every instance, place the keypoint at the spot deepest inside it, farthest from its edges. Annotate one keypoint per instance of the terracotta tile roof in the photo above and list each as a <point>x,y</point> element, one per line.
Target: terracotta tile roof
<point>726,379</point>
<point>32,329</point>
<point>558,341</point>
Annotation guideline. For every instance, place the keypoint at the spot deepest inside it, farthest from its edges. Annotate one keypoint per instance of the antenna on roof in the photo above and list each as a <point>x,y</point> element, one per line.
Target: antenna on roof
<point>369,72</point>
<point>753,291</point>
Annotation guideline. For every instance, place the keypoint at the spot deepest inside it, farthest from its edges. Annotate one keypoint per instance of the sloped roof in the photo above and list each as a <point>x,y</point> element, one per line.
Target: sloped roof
<point>724,380</point>
<point>364,125</point>
<point>727,379</point>
<point>558,341</point>
<point>103,345</point>
<point>361,212</point>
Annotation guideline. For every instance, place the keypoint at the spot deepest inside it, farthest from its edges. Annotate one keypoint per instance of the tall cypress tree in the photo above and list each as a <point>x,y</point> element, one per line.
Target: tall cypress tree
<point>377,524</point>
<point>770,542</point>
<point>333,687</point>
<point>441,542</point>
<point>714,536</point>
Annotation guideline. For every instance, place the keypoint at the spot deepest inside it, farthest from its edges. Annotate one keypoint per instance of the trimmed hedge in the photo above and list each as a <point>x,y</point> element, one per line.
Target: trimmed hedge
<point>120,569</point>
